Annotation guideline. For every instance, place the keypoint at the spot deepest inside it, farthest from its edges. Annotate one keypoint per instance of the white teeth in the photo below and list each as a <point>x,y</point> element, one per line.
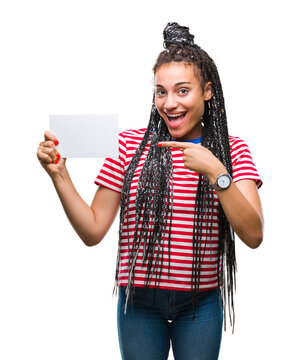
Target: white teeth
<point>175,115</point>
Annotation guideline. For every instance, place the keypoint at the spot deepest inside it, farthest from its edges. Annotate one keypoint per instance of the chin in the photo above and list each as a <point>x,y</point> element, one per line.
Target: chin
<point>177,135</point>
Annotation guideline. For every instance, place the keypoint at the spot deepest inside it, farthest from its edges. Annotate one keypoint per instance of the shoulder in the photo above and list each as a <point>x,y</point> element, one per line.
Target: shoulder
<point>242,161</point>
<point>238,147</point>
<point>133,134</point>
<point>130,139</point>
<point>236,142</point>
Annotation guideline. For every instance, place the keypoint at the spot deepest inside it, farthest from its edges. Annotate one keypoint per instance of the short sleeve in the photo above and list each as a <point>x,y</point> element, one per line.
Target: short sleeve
<point>242,162</point>
<point>112,172</point>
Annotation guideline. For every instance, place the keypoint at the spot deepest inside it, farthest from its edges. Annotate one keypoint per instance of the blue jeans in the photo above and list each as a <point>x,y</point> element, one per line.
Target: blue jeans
<point>147,329</point>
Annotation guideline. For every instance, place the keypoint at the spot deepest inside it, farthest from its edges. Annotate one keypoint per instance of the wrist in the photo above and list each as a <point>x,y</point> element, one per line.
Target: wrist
<point>214,174</point>
<point>60,177</point>
<point>222,183</point>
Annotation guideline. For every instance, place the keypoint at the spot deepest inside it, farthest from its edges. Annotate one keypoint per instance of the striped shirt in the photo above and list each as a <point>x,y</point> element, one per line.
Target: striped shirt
<point>185,184</point>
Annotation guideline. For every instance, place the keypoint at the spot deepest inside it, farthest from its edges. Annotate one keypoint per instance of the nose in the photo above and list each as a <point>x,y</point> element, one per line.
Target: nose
<point>171,103</point>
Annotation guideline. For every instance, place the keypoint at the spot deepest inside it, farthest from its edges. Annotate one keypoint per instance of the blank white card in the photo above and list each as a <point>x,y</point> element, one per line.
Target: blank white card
<point>86,136</point>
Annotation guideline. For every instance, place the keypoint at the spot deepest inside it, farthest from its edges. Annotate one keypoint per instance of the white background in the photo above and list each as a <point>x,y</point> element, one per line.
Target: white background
<point>94,57</point>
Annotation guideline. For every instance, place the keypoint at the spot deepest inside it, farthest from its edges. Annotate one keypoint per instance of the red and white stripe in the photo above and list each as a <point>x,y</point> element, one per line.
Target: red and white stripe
<point>185,185</point>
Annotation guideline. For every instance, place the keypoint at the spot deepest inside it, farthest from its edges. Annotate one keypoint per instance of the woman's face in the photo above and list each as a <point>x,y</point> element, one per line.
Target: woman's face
<point>180,99</point>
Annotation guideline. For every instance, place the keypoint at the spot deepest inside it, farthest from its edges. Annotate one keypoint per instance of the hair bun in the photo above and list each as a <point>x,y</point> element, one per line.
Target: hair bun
<point>176,34</point>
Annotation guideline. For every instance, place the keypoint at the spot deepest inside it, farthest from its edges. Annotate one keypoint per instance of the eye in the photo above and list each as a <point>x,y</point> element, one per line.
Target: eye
<point>160,92</point>
<point>183,91</point>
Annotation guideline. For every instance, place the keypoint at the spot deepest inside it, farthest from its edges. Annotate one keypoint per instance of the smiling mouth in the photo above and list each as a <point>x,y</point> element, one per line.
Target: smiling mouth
<point>175,118</point>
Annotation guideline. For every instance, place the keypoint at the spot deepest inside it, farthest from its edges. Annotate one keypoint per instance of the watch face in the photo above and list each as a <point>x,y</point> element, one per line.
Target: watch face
<point>223,181</point>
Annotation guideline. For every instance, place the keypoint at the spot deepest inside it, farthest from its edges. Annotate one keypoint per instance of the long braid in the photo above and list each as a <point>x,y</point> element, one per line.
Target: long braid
<point>153,204</point>
<point>216,139</point>
<point>154,196</point>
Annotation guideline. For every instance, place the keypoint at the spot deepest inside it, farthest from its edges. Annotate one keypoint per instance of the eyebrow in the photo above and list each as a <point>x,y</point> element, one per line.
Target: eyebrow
<point>177,84</point>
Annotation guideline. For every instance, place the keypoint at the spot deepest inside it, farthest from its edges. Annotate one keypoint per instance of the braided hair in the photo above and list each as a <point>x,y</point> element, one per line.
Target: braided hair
<point>154,198</point>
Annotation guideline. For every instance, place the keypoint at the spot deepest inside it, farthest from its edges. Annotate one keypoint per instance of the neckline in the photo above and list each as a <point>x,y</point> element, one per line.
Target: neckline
<point>194,141</point>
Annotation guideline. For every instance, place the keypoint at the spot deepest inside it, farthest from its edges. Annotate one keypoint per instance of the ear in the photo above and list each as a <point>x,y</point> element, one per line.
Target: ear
<point>208,91</point>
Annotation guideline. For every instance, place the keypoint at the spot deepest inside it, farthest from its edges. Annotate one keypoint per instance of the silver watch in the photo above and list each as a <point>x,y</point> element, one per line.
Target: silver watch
<point>222,182</point>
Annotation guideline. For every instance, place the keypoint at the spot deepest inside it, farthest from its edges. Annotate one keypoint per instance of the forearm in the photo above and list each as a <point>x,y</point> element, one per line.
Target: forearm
<point>79,213</point>
<point>245,219</point>
<point>90,222</point>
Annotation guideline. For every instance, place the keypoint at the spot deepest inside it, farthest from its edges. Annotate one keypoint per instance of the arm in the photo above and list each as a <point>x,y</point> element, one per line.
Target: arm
<point>90,223</point>
<point>240,201</point>
<point>241,204</point>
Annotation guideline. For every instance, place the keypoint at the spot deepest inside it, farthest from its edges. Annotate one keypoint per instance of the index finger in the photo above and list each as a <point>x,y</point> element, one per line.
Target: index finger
<point>174,144</point>
<point>48,135</point>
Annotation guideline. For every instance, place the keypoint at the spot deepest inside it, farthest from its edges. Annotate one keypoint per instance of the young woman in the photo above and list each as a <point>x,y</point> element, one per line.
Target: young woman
<point>182,184</point>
